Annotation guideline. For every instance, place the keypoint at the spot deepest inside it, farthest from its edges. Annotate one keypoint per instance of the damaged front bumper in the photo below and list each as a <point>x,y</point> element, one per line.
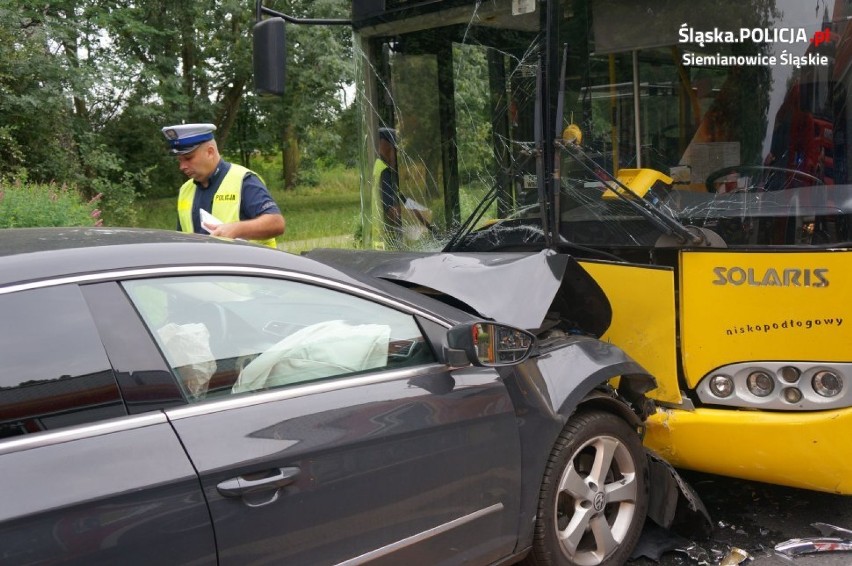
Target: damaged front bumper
<point>796,449</point>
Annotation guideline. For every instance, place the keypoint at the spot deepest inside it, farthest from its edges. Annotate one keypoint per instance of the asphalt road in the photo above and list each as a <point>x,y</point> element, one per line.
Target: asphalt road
<point>755,517</point>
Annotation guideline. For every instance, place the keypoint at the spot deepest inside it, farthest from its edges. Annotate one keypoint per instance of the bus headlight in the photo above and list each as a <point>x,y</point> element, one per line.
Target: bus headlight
<point>792,395</point>
<point>827,383</point>
<point>721,385</point>
<point>760,383</point>
<point>789,374</point>
<point>783,385</point>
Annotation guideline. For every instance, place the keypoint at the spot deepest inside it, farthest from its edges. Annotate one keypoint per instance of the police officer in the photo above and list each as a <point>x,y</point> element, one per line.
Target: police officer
<point>386,219</point>
<point>234,195</point>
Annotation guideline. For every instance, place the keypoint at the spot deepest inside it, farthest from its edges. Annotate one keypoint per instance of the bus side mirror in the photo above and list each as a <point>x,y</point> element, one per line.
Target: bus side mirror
<point>269,57</point>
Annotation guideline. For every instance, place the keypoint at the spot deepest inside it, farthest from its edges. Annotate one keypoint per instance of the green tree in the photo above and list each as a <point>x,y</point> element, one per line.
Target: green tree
<point>86,85</point>
<point>36,136</point>
<point>319,66</point>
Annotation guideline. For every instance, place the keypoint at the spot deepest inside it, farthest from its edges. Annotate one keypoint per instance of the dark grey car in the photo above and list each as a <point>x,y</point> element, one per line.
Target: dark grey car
<point>169,398</point>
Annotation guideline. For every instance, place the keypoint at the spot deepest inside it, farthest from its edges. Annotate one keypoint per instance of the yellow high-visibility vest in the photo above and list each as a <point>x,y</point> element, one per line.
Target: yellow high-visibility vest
<point>377,218</point>
<point>226,201</point>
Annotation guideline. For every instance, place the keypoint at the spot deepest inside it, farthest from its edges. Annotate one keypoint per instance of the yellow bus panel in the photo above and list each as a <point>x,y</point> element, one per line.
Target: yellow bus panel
<point>798,449</point>
<point>643,319</point>
<point>764,306</point>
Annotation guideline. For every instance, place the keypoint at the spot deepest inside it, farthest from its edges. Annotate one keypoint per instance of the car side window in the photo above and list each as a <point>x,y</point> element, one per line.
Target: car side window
<point>54,372</point>
<point>224,335</point>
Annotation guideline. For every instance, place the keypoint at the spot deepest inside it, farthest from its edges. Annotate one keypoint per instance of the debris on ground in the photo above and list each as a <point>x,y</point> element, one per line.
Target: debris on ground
<point>735,557</point>
<point>674,504</point>
<point>833,539</point>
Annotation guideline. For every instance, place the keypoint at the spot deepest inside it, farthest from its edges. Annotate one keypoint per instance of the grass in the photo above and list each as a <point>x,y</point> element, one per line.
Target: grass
<point>330,210</point>
<point>326,214</point>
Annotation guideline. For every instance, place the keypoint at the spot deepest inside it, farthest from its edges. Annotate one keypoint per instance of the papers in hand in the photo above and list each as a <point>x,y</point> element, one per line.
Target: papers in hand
<point>208,221</point>
<point>412,204</point>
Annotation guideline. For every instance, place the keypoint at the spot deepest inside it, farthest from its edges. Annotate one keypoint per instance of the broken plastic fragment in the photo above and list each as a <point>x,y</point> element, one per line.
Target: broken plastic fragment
<point>735,556</point>
<point>799,546</point>
<point>698,554</point>
<point>656,541</point>
<point>674,503</point>
<point>827,530</point>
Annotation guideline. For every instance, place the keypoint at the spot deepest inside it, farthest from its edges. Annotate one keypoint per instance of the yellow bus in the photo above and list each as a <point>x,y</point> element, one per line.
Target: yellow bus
<point>692,157</point>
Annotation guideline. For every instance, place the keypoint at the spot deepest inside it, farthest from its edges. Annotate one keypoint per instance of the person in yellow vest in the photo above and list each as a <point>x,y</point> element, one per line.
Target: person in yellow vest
<point>386,217</point>
<point>233,200</point>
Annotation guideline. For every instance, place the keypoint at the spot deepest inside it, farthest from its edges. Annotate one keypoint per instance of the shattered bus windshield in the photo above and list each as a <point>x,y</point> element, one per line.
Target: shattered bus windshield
<point>521,125</point>
<point>459,87</point>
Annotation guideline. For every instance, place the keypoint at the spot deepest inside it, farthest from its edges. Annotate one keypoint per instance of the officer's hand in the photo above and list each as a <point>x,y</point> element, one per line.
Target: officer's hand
<point>226,230</point>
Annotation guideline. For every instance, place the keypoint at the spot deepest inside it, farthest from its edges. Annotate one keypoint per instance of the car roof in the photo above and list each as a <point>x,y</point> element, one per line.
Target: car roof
<point>30,254</point>
<point>35,254</point>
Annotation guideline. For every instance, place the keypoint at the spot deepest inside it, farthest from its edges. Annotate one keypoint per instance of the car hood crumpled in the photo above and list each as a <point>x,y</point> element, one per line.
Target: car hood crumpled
<point>520,289</point>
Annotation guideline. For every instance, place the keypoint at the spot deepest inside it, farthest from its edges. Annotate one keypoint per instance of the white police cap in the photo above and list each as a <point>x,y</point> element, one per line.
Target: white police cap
<point>184,138</point>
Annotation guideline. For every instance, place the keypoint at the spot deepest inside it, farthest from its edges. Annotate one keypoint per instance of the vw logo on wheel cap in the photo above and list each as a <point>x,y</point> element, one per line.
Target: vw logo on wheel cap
<point>599,501</point>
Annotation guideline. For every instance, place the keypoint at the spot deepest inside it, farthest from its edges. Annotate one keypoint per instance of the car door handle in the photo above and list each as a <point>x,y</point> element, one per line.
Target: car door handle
<point>239,486</point>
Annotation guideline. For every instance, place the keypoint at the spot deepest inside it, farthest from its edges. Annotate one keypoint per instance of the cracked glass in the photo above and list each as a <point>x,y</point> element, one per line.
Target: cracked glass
<point>684,139</point>
<point>459,88</point>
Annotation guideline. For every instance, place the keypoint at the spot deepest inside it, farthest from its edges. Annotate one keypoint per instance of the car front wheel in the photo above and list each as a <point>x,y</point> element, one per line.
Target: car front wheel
<point>594,494</point>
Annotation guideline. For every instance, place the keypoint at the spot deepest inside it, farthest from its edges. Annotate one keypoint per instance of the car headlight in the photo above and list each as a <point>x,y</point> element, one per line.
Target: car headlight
<point>760,383</point>
<point>827,383</point>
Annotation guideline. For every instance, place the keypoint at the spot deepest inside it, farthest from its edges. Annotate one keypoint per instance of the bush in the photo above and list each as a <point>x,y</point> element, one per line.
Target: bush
<point>31,205</point>
<point>105,176</point>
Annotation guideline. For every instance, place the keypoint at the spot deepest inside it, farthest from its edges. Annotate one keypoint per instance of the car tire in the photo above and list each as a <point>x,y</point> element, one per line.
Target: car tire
<point>594,495</point>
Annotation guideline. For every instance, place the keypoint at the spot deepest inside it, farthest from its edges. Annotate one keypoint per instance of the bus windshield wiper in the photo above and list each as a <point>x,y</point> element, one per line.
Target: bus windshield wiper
<point>665,222</point>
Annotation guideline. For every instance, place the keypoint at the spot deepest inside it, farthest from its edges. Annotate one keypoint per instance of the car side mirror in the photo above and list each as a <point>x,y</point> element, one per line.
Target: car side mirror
<point>489,344</point>
<point>269,56</point>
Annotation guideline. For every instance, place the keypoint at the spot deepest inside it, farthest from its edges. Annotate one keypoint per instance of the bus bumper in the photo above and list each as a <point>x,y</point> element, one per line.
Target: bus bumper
<point>806,450</point>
